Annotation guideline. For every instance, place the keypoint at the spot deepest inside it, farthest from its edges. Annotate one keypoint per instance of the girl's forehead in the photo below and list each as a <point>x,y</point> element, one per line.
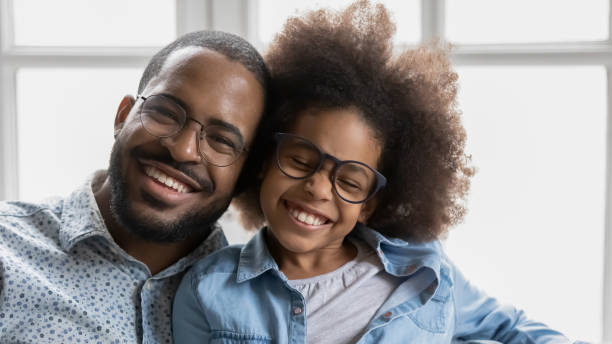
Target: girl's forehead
<point>341,132</point>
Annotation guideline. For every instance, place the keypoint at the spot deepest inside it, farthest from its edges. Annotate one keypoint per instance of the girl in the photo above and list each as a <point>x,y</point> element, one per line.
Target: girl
<point>358,170</point>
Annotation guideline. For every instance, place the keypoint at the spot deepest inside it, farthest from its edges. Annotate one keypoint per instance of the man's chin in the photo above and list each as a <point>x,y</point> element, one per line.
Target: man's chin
<point>156,226</point>
<point>154,221</point>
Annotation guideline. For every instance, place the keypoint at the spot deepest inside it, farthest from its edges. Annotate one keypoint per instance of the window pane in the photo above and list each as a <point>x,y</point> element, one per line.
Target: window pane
<point>94,22</point>
<point>65,123</point>
<point>534,233</point>
<point>272,14</point>
<point>526,21</point>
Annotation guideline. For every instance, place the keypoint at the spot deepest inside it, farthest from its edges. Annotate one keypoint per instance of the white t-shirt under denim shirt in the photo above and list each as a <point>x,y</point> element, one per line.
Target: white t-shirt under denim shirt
<point>341,303</point>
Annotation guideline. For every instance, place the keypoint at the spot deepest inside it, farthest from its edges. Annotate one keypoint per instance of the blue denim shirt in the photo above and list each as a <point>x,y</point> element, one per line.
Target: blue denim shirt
<point>238,295</point>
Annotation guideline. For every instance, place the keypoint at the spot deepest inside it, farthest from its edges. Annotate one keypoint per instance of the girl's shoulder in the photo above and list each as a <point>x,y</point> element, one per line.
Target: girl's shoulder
<point>223,261</point>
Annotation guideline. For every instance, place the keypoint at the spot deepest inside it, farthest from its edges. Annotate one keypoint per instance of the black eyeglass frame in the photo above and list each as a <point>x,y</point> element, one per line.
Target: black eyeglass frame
<point>201,134</point>
<point>381,181</point>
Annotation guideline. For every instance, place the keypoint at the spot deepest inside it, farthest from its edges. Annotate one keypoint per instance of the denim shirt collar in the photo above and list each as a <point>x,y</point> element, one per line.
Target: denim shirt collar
<point>255,259</point>
<point>400,258</point>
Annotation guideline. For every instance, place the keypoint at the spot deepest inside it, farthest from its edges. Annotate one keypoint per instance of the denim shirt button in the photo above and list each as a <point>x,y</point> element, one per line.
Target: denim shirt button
<point>411,269</point>
<point>387,314</point>
<point>297,310</point>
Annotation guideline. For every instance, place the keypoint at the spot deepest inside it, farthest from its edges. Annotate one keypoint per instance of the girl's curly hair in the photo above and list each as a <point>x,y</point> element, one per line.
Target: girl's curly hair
<point>328,59</point>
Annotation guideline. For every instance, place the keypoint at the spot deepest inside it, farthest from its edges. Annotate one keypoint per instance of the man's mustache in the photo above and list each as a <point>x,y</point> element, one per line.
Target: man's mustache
<point>187,168</point>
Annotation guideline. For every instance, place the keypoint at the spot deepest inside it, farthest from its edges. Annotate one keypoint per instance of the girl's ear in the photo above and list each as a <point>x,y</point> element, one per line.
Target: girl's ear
<point>367,209</point>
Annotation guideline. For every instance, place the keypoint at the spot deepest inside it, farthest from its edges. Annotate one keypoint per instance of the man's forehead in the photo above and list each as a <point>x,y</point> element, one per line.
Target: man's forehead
<point>208,82</point>
<point>182,60</point>
<point>186,57</point>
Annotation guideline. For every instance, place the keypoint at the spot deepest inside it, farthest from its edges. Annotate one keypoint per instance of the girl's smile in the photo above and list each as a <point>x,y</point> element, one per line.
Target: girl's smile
<point>306,217</point>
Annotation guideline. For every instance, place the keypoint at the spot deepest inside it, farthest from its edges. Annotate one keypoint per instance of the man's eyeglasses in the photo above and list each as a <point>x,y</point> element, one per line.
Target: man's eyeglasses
<point>162,116</point>
<point>353,181</point>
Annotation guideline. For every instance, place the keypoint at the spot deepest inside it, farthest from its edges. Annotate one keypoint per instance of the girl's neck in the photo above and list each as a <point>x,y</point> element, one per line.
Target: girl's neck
<point>314,263</point>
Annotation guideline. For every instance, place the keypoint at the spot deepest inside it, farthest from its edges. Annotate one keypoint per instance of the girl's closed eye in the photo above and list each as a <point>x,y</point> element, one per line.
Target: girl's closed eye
<point>302,163</point>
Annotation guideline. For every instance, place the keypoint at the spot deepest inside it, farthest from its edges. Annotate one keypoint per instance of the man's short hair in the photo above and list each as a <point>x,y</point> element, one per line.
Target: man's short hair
<point>232,46</point>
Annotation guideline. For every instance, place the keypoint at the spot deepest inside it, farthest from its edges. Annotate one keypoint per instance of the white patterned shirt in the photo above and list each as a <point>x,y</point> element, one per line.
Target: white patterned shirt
<point>63,279</point>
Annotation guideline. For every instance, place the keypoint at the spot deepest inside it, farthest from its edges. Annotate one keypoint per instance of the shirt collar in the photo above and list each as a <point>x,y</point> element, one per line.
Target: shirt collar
<point>255,258</point>
<point>215,240</point>
<point>403,258</point>
<point>81,217</point>
<point>399,257</point>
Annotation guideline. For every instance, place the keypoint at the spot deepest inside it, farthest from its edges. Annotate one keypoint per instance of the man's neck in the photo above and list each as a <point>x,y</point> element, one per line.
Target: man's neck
<point>156,256</point>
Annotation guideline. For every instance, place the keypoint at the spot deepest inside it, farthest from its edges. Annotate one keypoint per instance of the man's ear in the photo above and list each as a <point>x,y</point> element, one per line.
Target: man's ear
<point>122,112</point>
<point>367,209</point>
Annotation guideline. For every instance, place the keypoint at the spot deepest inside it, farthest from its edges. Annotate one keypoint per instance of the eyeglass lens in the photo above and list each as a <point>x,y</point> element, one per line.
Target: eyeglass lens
<point>163,117</point>
<point>299,158</point>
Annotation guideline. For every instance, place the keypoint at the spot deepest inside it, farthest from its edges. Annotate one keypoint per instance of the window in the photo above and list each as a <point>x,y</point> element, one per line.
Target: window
<point>538,138</point>
<point>534,92</point>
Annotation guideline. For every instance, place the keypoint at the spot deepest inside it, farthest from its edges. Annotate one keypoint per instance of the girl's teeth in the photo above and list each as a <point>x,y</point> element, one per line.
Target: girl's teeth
<point>306,218</point>
<point>309,220</point>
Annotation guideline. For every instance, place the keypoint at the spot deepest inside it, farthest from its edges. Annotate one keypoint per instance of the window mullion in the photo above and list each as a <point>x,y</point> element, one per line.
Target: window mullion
<point>8,121</point>
<point>609,40</point>
<point>8,153</point>
<point>607,287</point>
<point>193,15</point>
<point>432,19</point>
<point>231,16</point>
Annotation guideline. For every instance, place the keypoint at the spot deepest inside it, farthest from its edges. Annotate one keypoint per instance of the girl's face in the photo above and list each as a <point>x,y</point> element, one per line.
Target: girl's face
<point>338,132</point>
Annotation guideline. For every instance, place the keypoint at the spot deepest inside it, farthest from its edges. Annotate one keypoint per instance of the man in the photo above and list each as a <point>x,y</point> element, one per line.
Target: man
<point>102,265</point>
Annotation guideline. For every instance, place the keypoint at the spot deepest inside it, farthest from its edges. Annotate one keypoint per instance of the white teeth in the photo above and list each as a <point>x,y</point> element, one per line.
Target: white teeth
<point>165,179</point>
<point>302,217</point>
<point>309,219</point>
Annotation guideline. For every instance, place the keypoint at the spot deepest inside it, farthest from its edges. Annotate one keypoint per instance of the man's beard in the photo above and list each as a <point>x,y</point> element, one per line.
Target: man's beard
<point>196,223</point>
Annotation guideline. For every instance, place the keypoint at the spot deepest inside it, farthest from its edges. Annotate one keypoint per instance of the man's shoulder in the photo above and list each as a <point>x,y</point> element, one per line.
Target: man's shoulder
<point>29,218</point>
<point>25,209</point>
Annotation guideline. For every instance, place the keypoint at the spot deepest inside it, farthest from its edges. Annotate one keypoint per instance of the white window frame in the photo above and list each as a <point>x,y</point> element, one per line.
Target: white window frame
<point>583,53</point>
<point>191,15</point>
<point>240,17</point>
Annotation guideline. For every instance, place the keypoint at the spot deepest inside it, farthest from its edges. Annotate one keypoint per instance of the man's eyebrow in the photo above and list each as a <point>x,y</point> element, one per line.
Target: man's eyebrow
<point>227,126</point>
<point>178,100</point>
<point>214,121</point>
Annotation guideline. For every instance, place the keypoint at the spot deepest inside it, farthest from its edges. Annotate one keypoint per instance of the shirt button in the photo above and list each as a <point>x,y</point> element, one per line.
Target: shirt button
<point>148,285</point>
<point>387,315</point>
<point>411,269</point>
<point>297,310</point>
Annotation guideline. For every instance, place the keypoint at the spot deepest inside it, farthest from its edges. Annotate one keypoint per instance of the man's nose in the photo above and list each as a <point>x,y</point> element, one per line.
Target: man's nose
<point>184,145</point>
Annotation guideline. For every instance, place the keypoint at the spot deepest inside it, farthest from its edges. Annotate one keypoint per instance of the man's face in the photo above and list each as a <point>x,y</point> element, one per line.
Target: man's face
<point>212,89</point>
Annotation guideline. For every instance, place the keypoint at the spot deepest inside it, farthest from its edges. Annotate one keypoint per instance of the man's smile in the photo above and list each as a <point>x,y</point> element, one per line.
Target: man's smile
<point>169,185</point>
<point>166,179</point>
